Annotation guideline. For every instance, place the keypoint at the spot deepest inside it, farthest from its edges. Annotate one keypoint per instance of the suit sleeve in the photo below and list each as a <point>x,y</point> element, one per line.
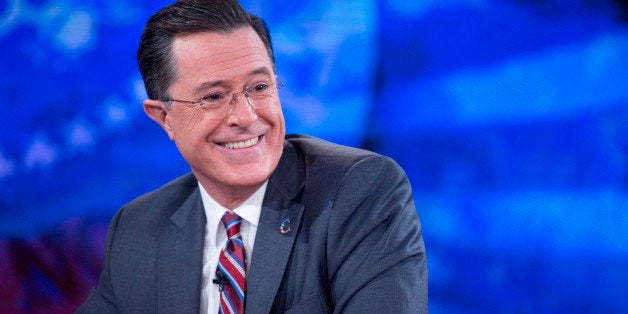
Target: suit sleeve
<point>376,254</point>
<point>102,298</point>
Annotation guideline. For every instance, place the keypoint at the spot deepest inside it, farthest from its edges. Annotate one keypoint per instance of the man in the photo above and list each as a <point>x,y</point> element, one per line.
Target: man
<point>265,222</point>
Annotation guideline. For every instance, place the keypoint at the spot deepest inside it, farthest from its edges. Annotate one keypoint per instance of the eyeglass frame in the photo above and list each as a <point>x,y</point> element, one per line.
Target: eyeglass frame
<point>276,85</point>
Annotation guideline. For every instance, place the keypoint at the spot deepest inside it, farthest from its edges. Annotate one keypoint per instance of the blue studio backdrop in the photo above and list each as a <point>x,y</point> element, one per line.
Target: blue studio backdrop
<point>509,116</point>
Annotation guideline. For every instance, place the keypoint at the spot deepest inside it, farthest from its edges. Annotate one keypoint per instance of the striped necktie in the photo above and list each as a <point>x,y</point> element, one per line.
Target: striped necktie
<point>232,266</point>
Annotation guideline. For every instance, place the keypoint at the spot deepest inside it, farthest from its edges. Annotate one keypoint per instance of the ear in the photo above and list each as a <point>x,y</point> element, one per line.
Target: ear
<point>156,111</point>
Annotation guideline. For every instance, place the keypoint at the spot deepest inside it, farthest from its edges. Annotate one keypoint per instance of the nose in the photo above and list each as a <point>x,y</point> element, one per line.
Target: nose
<point>242,113</point>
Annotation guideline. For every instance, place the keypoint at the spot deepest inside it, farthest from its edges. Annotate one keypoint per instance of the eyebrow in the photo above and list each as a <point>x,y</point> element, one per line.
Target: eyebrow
<point>210,84</point>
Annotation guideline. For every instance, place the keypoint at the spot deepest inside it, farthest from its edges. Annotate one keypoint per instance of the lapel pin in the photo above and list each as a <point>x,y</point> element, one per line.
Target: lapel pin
<point>284,227</point>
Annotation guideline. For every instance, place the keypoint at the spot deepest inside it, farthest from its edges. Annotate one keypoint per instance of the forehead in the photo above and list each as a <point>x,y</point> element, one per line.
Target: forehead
<point>218,56</point>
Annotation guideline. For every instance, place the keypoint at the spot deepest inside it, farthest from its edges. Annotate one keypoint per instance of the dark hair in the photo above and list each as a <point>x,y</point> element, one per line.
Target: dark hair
<point>154,55</point>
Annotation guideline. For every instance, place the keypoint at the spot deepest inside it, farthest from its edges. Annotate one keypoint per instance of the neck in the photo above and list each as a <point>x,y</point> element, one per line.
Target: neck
<point>230,197</point>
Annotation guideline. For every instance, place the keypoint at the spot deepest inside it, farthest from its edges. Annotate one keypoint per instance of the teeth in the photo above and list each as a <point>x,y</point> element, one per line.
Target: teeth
<point>244,144</point>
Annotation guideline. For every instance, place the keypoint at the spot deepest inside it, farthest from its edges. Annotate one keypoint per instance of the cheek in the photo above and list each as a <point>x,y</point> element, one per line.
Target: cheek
<point>190,122</point>
<point>275,115</point>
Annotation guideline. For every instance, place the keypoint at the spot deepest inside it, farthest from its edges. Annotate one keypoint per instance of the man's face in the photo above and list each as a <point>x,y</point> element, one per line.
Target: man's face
<point>234,154</point>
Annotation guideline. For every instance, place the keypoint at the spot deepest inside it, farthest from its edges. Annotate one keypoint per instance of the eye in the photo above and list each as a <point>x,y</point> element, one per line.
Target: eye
<point>212,98</point>
<point>260,88</point>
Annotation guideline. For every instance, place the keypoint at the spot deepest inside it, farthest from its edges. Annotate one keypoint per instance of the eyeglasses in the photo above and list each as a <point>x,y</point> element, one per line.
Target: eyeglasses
<point>218,104</point>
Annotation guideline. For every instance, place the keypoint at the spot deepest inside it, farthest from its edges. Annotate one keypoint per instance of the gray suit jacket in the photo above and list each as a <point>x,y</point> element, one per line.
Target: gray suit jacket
<point>354,245</point>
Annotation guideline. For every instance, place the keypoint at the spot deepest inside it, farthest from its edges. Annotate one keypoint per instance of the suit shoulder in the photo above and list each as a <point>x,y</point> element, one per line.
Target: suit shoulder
<point>159,203</point>
<point>336,157</point>
<point>331,167</point>
<point>177,189</point>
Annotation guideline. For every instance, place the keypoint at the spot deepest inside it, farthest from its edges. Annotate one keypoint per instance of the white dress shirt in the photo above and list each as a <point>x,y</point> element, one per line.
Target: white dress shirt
<point>216,237</point>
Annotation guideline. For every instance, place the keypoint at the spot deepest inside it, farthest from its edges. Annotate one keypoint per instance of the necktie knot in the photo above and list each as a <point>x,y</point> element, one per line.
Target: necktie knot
<point>232,223</point>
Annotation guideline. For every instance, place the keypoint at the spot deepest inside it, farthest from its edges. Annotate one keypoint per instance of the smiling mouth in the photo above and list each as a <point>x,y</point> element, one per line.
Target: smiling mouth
<point>240,145</point>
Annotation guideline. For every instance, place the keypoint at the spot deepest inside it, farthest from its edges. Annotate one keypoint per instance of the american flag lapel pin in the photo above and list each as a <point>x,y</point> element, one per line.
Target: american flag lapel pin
<point>284,227</point>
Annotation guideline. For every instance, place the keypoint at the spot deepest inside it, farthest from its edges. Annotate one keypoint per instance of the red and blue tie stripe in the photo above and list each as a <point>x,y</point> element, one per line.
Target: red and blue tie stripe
<point>232,264</point>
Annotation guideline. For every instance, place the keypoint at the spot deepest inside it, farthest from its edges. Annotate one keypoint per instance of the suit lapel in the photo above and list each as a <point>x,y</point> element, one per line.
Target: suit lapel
<point>276,231</point>
<point>179,269</point>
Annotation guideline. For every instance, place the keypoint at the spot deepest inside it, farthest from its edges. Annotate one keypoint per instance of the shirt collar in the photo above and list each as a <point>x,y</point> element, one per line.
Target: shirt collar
<point>250,210</point>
